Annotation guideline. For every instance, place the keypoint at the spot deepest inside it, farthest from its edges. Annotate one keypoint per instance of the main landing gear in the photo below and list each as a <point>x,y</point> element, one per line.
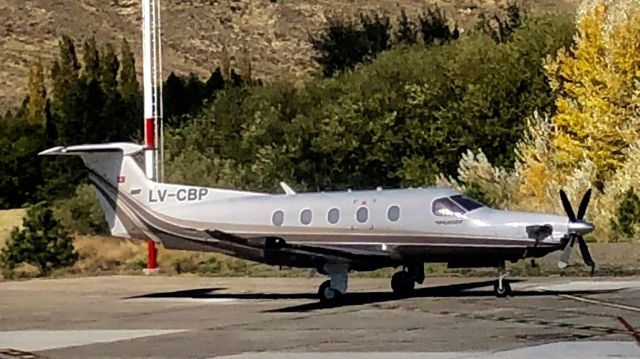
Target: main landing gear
<point>404,282</point>
<point>332,290</point>
<point>501,287</point>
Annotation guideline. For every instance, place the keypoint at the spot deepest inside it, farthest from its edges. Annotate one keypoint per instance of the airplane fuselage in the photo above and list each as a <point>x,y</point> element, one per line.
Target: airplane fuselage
<point>402,222</point>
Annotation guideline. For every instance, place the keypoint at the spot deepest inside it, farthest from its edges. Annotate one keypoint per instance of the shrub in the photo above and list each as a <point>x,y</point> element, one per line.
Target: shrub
<point>82,213</point>
<point>628,215</point>
<point>43,242</point>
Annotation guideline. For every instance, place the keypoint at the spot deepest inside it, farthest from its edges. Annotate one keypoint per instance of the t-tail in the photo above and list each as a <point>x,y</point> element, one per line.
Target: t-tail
<point>125,192</point>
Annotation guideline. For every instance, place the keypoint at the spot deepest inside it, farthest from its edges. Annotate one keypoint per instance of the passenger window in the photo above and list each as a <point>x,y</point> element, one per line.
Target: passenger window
<point>446,208</point>
<point>305,216</point>
<point>393,213</point>
<point>278,218</point>
<point>362,214</point>
<point>333,216</point>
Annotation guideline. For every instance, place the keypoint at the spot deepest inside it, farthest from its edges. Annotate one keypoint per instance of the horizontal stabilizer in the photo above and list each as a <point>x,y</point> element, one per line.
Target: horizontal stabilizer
<point>126,148</point>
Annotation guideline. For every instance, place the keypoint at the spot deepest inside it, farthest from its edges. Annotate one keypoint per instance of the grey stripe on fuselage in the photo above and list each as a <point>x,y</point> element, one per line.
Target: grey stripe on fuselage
<point>170,230</point>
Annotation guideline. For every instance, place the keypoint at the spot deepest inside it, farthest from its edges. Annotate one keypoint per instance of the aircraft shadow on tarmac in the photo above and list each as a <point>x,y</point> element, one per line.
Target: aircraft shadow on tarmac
<point>211,293</point>
<point>461,290</point>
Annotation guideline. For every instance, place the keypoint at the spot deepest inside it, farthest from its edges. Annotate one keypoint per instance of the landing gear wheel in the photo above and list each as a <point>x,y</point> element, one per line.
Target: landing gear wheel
<point>328,295</point>
<point>504,291</point>
<point>402,283</point>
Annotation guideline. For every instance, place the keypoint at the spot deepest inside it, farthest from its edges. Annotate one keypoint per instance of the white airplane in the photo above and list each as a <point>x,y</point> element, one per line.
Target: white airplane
<point>333,232</point>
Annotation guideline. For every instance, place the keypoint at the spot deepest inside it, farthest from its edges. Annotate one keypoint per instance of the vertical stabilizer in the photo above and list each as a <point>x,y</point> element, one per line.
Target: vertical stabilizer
<point>112,169</point>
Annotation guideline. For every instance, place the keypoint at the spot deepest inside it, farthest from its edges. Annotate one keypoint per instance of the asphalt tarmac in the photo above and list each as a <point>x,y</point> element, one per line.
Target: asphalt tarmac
<point>259,318</point>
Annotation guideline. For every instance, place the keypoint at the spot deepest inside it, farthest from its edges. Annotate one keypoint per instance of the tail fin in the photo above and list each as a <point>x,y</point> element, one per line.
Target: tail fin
<point>117,177</point>
<point>112,168</point>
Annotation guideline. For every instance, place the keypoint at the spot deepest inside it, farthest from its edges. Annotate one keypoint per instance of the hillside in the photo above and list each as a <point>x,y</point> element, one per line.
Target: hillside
<point>275,32</point>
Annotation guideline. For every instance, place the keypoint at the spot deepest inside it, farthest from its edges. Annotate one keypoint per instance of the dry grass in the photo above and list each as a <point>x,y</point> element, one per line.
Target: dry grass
<point>103,255</point>
<point>194,32</point>
<point>8,219</point>
<point>108,255</point>
<point>100,255</point>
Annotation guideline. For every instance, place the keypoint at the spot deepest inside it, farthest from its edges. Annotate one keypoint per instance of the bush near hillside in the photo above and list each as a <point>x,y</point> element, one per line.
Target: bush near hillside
<point>42,242</point>
<point>395,122</point>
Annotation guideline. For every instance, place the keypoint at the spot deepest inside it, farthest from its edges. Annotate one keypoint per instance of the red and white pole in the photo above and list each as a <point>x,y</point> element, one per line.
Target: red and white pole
<point>152,89</point>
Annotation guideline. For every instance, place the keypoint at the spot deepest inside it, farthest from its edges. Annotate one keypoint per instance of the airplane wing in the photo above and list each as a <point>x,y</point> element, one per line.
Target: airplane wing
<point>275,244</point>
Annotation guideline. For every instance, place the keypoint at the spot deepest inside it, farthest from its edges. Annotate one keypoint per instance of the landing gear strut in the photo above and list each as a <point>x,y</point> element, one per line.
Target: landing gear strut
<point>332,290</point>
<point>403,282</point>
<point>501,287</point>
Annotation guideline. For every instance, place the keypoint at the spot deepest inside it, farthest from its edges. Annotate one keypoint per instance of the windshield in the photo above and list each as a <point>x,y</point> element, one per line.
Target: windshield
<point>466,202</point>
<point>446,207</point>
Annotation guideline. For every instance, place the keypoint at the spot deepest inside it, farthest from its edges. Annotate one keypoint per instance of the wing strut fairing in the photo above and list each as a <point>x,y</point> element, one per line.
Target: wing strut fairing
<point>277,250</point>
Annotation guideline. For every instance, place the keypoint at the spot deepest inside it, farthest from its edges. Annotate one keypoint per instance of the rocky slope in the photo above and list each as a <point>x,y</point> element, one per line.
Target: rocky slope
<point>272,33</point>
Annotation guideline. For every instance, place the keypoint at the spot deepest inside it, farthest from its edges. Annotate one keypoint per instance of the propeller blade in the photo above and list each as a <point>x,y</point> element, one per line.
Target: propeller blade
<point>566,254</point>
<point>567,206</point>
<point>586,255</point>
<point>582,209</point>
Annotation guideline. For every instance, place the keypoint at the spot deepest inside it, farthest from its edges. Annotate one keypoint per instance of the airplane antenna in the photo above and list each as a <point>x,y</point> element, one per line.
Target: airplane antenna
<point>287,189</point>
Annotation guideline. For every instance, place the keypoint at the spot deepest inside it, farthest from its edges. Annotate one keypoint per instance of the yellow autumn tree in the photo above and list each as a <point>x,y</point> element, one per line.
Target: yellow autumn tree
<point>593,135</point>
<point>596,81</point>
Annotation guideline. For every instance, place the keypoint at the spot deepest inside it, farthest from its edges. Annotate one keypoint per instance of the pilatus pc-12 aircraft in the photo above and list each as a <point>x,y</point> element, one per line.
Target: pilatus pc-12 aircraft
<point>334,232</point>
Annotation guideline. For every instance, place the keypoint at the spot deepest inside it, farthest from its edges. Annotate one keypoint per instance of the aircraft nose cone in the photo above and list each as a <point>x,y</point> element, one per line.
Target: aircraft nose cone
<point>580,227</point>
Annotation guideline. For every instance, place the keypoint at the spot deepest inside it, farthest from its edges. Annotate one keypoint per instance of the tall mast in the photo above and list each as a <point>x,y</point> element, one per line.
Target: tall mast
<point>152,85</point>
<point>152,89</point>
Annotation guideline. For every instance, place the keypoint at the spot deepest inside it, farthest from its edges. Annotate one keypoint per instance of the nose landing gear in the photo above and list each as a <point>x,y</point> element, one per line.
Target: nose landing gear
<point>501,287</point>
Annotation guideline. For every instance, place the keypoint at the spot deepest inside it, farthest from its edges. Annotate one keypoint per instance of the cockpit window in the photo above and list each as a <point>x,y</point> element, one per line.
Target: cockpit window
<point>446,207</point>
<point>466,202</point>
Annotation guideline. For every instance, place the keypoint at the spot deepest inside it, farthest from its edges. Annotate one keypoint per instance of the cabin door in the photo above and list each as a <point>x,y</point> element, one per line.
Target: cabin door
<point>362,213</point>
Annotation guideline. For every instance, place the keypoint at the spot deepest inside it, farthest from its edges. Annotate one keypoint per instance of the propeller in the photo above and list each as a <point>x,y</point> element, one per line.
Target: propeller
<point>577,227</point>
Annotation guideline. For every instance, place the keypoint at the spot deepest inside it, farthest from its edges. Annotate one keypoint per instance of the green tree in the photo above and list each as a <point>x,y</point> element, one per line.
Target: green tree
<point>406,33</point>
<point>36,101</point>
<point>175,101</point>
<point>130,92</point>
<point>214,84</point>
<point>113,110</point>
<point>194,91</point>
<point>435,29</point>
<point>501,29</point>
<point>71,119</point>
<point>82,213</point>
<point>20,176</point>
<point>378,32</point>
<point>91,60</point>
<point>628,215</point>
<point>42,242</point>
<point>340,46</point>
<point>396,121</point>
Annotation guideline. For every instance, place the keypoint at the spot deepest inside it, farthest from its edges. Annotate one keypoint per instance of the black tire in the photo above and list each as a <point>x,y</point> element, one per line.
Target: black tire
<point>402,283</point>
<point>504,292</point>
<point>327,295</point>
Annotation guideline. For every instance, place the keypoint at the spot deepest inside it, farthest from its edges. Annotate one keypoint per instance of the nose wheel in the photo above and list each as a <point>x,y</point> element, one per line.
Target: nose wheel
<point>501,287</point>
<point>503,290</point>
